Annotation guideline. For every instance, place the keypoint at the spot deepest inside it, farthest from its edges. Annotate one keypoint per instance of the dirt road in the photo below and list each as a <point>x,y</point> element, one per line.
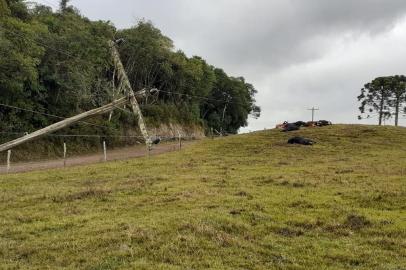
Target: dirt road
<point>116,154</point>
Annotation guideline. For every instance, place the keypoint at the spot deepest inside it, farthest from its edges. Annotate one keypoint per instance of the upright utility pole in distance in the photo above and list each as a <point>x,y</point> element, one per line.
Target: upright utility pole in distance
<point>313,111</point>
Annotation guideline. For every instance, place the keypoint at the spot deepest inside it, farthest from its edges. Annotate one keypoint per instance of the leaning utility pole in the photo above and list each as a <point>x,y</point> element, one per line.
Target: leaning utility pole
<point>62,124</point>
<point>313,111</point>
<point>129,97</point>
<point>128,91</point>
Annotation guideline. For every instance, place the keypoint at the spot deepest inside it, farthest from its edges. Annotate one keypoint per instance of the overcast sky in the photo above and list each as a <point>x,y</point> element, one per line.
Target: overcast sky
<point>297,53</point>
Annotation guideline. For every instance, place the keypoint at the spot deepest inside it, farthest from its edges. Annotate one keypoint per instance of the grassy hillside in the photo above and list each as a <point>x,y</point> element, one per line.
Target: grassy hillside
<point>242,202</point>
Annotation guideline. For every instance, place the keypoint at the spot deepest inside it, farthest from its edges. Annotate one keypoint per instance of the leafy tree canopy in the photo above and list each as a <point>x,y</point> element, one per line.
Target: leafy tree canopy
<point>384,96</point>
<point>59,63</point>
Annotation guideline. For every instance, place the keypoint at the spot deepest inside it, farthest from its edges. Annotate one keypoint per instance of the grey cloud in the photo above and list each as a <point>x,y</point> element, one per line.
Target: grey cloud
<point>277,35</point>
<point>262,33</point>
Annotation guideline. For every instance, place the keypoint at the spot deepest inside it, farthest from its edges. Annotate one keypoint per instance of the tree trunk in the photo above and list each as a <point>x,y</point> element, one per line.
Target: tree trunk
<point>397,112</point>
<point>381,109</point>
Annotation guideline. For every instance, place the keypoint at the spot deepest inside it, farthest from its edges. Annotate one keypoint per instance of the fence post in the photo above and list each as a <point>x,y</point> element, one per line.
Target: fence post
<point>64,154</point>
<point>105,151</point>
<point>8,160</point>
<point>149,148</point>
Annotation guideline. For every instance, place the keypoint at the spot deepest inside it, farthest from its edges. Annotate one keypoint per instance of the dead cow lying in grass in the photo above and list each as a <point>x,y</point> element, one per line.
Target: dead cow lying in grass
<point>323,123</point>
<point>281,126</point>
<point>290,127</point>
<point>301,140</point>
<point>286,126</point>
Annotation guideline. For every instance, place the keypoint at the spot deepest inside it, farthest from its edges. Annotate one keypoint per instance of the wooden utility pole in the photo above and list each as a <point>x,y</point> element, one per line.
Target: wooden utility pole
<point>128,91</point>
<point>62,124</point>
<point>130,97</point>
<point>313,112</point>
<point>8,160</point>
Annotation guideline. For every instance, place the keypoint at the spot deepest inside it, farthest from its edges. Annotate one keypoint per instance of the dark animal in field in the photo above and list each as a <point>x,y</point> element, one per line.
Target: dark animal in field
<point>301,140</point>
<point>300,123</point>
<point>282,126</point>
<point>310,124</point>
<point>290,127</point>
<point>322,123</point>
<point>156,140</point>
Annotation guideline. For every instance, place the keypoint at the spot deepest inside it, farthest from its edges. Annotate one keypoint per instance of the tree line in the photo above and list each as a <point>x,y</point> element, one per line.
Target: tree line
<point>384,96</point>
<point>58,62</point>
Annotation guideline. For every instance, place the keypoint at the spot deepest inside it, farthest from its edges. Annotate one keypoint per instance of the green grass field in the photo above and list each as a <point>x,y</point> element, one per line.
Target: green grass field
<point>242,202</point>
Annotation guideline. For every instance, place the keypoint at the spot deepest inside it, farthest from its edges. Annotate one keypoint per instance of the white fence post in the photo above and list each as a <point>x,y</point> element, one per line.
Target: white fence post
<point>8,160</point>
<point>180,140</point>
<point>105,151</point>
<point>64,154</point>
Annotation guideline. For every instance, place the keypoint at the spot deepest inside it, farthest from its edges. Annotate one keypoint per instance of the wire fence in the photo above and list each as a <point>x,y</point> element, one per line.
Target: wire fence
<point>9,134</point>
<point>64,154</point>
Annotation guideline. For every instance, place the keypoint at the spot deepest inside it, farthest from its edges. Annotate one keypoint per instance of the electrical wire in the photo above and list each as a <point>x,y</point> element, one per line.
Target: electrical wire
<point>49,3</point>
<point>98,136</point>
<point>45,45</point>
<point>72,56</point>
<point>229,100</point>
<point>47,114</point>
<point>204,98</point>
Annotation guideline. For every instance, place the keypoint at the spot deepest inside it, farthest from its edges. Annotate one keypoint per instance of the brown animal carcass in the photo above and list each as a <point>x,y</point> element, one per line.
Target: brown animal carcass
<point>311,124</point>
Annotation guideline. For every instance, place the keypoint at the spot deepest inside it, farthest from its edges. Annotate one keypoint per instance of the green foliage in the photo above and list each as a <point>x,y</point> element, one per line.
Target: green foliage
<point>59,63</point>
<point>63,5</point>
<point>187,83</point>
<point>4,9</point>
<point>384,95</point>
<point>20,56</point>
<point>230,101</point>
<point>398,95</point>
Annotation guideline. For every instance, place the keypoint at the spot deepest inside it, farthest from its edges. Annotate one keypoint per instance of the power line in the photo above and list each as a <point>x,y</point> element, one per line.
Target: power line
<point>47,114</point>
<point>91,136</point>
<point>204,98</point>
<point>84,61</point>
<point>49,3</point>
<point>57,50</point>
<point>96,136</point>
<point>45,45</point>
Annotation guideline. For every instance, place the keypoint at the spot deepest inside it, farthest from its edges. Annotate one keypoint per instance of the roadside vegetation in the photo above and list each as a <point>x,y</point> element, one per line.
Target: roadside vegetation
<point>241,202</point>
<point>58,63</point>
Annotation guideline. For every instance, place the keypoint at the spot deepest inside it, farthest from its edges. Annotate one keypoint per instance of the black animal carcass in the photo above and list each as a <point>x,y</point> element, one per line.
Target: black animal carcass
<point>323,123</point>
<point>156,140</point>
<point>300,140</point>
<point>300,123</point>
<point>290,127</point>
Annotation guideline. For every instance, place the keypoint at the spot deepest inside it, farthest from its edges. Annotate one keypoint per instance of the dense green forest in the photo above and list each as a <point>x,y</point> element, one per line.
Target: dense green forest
<point>58,62</point>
